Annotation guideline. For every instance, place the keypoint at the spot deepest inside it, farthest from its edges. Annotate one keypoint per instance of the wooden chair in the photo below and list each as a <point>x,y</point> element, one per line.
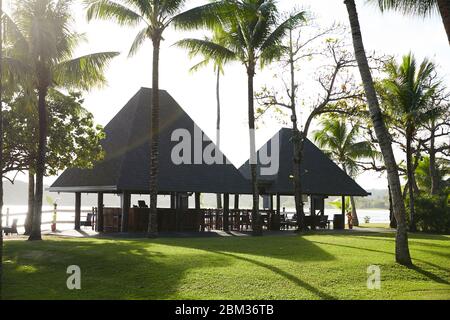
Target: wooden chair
<point>88,222</point>
<point>12,229</point>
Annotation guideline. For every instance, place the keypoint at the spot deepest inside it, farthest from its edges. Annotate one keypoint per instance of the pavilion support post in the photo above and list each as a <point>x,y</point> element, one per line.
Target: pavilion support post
<point>271,202</point>
<point>313,212</point>
<point>173,200</point>
<point>126,201</point>
<point>343,206</point>
<point>197,200</point>
<point>77,210</point>
<point>236,201</point>
<point>226,211</point>
<point>100,212</point>
<point>278,204</point>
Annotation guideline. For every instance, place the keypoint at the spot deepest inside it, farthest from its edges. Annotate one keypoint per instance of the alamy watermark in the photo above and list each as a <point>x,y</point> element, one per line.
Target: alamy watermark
<point>199,149</point>
<point>74,280</point>
<point>374,278</point>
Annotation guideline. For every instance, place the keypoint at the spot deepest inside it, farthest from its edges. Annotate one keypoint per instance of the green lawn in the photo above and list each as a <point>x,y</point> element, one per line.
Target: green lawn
<point>313,266</point>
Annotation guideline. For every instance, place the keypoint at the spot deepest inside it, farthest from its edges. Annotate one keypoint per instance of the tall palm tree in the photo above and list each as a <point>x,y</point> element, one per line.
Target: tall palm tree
<point>45,43</point>
<point>155,16</point>
<point>407,93</point>
<point>252,34</point>
<point>419,8</point>
<point>402,255</point>
<point>1,144</point>
<point>340,142</point>
<point>219,71</point>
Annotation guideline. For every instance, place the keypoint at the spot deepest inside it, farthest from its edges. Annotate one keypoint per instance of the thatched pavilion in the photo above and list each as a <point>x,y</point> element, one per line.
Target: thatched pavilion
<point>125,171</point>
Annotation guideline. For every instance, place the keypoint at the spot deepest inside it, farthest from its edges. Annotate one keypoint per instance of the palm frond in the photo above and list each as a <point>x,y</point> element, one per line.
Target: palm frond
<point>139,41</point>
<point>110,10</point>
<point>205,16</point>
<point>409,7</point>
<point>207,49</point>
<point>84,72</point>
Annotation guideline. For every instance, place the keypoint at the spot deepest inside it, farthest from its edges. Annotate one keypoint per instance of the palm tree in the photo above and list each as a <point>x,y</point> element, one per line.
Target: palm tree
<point>218,70</point>
<point>155,16</point>
<point>340,142</point>
<point>402,255</point>
<point>421,8</point>
<point>407,93</point>
<point>252,34</point>
<point>44,43</point>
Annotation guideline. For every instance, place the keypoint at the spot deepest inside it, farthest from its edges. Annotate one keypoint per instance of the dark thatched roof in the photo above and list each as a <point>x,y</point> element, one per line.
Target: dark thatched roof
<point>126,164</point>
<point>319,175</point>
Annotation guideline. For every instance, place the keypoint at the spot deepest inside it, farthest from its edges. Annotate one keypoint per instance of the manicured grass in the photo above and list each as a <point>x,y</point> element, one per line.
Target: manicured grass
<point>313,266</point>
<point>375,225</point>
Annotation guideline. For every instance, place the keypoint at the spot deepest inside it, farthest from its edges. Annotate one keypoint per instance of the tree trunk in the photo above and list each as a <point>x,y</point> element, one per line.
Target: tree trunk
<point>256,218</point>
<point>435,187</point>
<point>402,255</point>
<point>154,141</point>
<point>355,220</point>
<point>218,196</point>
<point>29,218</point>
<point>410,174</point>
<point>444,9</point>
<point>40,165</point>
<point>1,149</point>
<point>392,221</point>
<point>297,139</point>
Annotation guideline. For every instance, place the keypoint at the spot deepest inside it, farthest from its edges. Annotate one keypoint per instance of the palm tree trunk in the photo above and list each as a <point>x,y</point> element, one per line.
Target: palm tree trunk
<point>40,165</point>
<point>355,220</point>
<point>392,221</point>
<point>154,141</point>
<point>410,174</point>
<point>402,255</point>
<point>256,219</point>
<point>1,146</point>
<point>29,218</point>
<point>218,196</point>
<point>444,9</point>
<point>433,172</point>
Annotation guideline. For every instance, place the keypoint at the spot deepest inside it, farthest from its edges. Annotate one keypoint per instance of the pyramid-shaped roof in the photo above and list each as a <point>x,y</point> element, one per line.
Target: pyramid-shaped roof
<point>319,174</point>
<point>127,156</point>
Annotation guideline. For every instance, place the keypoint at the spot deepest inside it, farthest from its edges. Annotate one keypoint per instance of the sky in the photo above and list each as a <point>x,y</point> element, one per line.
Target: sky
<point>387,33</point>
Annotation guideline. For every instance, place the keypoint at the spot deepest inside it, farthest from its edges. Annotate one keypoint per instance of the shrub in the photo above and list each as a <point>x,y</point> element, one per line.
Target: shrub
<point>432,213</point>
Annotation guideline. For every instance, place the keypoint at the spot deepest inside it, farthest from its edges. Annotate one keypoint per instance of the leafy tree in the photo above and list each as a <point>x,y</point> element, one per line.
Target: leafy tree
<point>73,138</point>
<point>420,8</point>
<point>407,94</point>
<point>402,254</point>
<point>342,143</point>
<point>423,177</point>
<point>44,43</point>
<point>252,34</point>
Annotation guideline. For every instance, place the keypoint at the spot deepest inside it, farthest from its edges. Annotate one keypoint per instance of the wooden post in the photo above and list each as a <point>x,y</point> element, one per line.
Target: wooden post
<point>226,211</point>
<point>126,200</point>
<point>77,210</point>
<point>236,201</point>
<point>343,206</point>
<point>271,202</point>
<point>197,200</point>
<point>173,200</point>
<point>278,203</point>
<point>100,212</point>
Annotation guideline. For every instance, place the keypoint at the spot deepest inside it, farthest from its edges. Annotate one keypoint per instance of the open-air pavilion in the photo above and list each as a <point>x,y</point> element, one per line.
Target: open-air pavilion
<point>125,171</point>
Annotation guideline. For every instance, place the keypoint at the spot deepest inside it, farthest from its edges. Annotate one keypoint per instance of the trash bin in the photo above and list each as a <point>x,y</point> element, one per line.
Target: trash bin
<point>338,222</point>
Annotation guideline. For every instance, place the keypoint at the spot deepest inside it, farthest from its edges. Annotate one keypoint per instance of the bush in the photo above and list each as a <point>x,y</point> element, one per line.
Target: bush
<point>432,213</point>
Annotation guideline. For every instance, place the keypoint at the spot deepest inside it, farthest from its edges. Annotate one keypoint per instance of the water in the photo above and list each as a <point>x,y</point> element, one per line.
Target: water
<point>19,212</point>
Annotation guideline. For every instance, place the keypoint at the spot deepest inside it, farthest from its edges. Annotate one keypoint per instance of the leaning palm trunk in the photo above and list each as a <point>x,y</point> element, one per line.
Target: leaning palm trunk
<point>402,255</point>
<point>298,156</point>
<point>154,142</point>
<point>40,165</point>
<point>355,220</point>
<point>29,218</point>
<point>444,9</point>
<point>256,219</point>
<point>435,186</point>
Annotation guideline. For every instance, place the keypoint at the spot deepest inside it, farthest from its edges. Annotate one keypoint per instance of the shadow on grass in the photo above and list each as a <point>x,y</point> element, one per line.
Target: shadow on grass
<point>416,268</point>
<point>110,269</point>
